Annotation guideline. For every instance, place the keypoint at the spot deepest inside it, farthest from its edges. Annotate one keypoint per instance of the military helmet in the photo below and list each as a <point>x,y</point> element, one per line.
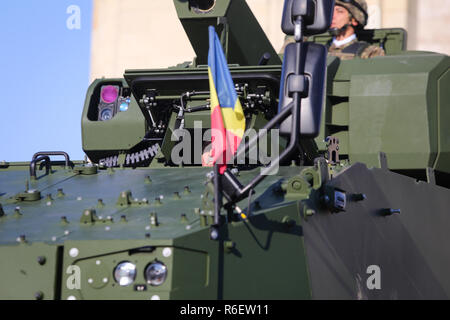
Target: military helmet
<point>358,9</point>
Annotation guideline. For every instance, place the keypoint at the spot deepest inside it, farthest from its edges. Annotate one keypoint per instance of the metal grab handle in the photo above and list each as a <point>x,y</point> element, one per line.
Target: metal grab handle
<point>53,153</point>
<point>48,166</point>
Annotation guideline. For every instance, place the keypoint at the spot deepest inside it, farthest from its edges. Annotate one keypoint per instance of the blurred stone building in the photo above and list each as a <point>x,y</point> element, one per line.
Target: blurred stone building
<point>138,34</point>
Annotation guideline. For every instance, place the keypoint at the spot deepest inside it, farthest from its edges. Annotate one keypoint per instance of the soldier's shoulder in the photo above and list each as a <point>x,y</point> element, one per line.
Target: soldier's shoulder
<point>372,51</point>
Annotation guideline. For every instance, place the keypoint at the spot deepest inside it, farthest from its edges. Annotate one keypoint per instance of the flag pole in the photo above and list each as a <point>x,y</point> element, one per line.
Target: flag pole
<point>217,202</point>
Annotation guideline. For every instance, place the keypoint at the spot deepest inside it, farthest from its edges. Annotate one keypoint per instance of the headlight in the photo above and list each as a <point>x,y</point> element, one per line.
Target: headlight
<point>106,114</point>
<point>109,94</point>
<point>125,273</point>
<point>156,273</point>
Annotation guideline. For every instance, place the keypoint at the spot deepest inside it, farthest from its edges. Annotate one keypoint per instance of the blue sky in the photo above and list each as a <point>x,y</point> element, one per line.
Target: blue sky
<point>45,75</point>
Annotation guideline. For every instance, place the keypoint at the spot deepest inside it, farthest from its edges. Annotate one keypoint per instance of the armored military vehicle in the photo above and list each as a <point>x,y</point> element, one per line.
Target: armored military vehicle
<point>353,204</point>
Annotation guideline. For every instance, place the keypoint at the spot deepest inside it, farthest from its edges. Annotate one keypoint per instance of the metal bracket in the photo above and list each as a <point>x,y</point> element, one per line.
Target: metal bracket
<point>297,187</point>
<point>86,170</point>
<point>382,161</point>
<point>431,177</point>
<point>334,199</point>
<point>333,149</point>
<point>224,30</point>
<point>126,200</point>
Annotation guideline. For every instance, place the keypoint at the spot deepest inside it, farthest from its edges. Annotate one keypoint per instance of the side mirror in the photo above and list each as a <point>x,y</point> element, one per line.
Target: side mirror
<point>317,15</point>
<point>309,80</point>
<point>302,92</point>
<point>304,65</point>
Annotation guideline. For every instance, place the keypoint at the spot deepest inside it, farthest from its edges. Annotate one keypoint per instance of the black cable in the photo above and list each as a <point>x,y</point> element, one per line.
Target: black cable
<point>249,209</point>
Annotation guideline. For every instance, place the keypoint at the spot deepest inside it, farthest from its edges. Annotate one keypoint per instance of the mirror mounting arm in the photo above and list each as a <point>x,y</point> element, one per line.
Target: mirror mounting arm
<point>232,188</point>
<point>300,18</point>
<point>298,31</point>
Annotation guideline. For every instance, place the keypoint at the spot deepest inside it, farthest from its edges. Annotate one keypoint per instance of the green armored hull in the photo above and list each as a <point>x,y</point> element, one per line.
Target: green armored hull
<point>358,211</point>
<point>290,248</point>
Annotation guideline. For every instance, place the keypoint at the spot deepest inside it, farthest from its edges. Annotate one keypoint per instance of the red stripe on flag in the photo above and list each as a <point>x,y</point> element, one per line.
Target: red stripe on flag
<point>224,142</point>
<point>218,139</point>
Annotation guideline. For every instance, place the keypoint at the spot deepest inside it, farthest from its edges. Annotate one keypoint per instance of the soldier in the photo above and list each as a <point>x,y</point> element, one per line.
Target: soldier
<point>349,16</point>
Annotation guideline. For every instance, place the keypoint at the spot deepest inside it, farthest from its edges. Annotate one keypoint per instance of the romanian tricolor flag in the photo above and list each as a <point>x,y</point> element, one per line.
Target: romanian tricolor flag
<point>227,117</point>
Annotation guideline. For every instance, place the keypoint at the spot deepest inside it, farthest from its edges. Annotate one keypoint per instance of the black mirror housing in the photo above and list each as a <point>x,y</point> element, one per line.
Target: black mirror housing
<point>310,85</point>
<point>317,16</point>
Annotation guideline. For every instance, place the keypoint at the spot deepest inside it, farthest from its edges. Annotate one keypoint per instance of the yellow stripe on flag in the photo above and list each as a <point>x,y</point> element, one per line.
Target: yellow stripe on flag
<point>214,99</point>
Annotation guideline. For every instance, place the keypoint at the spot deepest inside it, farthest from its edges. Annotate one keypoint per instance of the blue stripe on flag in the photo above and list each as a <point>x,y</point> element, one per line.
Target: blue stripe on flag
<point>220,72</point>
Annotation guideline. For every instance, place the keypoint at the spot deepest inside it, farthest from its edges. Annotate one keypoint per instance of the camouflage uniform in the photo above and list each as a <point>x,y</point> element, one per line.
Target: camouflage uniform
<point>365,51</point>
